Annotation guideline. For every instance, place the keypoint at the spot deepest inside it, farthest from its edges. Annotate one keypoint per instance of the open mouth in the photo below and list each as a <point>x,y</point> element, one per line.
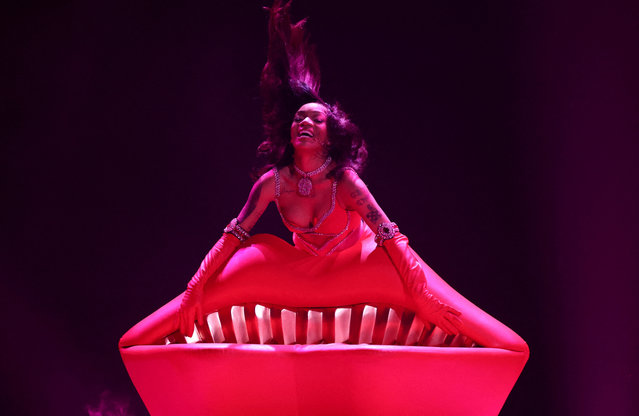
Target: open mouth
<point>305,134</point>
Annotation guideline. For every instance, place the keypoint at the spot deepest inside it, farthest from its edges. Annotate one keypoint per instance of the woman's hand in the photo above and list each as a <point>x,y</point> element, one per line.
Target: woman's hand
<point>430,309</point>
<point>190,310</point>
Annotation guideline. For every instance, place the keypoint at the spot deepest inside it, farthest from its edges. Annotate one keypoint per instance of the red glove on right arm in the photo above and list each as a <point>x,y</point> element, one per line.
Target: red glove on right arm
<point>429,309</point>
<point>191,307</point>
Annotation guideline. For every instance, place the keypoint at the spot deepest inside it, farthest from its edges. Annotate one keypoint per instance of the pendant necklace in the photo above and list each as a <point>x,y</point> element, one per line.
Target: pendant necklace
<point>304,185</point>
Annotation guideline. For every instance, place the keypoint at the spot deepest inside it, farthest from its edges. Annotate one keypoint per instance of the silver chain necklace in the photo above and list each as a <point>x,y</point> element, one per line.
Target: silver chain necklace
<point>304,185</point>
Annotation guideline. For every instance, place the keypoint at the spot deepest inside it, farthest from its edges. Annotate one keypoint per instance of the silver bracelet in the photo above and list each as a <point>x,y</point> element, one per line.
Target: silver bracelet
<point>235,229</point>
<point>385,231</point>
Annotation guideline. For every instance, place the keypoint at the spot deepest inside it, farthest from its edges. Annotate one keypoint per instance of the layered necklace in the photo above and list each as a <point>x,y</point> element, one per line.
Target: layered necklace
<point>305,185</point>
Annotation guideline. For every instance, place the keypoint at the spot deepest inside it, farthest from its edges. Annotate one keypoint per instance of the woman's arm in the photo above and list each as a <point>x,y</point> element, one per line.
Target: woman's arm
<point>262,193</point>
<point>354,195</point>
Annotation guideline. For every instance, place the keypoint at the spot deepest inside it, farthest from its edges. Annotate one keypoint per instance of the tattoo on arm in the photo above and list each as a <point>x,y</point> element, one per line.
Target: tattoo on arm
<point>372,213</point>
<point>359,198</point>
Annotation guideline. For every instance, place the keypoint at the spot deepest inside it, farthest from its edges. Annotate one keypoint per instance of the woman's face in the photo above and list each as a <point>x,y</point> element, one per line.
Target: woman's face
<point>309,130</point>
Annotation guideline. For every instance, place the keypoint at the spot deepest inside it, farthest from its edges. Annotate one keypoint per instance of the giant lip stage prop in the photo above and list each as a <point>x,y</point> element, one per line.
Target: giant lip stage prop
<point>293,334</point>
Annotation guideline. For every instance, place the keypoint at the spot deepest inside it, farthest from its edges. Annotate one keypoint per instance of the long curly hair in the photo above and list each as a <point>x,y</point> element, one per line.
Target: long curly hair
<point>290,79</point>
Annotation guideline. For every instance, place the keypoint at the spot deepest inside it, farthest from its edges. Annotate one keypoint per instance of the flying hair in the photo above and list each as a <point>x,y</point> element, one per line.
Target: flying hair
<point>291,78</point>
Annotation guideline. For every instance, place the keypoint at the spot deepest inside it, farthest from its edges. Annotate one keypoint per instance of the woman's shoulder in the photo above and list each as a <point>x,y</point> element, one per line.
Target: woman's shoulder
<point>267,184</point>
<point>349,178</point>
<point>349,184</point>
<point>283,174</point>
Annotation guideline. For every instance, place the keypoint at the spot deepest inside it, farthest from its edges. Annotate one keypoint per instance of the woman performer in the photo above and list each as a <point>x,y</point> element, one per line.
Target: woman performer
<point>310,163</point>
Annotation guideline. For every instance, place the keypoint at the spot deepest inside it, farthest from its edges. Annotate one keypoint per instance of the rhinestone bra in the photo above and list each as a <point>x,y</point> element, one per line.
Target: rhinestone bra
<point>333,240</point>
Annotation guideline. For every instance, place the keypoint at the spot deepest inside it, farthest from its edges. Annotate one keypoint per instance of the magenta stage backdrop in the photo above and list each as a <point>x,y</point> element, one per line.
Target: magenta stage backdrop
<point>129,129</point>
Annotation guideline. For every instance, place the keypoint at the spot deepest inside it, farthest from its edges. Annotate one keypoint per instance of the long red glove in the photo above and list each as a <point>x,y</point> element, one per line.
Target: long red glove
<point>191,307</point>
<point>428,307</point>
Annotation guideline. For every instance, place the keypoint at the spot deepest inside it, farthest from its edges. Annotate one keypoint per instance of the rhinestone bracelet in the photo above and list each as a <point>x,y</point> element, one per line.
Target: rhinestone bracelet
<point>235,229</point>
<point>385,231</point>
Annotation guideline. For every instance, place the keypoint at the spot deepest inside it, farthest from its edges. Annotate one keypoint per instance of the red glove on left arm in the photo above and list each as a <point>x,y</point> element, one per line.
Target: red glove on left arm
<point>429,308</point>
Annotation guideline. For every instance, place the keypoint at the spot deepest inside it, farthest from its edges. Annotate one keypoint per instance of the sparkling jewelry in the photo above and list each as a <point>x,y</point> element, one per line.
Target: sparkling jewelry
<point>385,231</point>
<point>305,185</point>
<point>235,229</point>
